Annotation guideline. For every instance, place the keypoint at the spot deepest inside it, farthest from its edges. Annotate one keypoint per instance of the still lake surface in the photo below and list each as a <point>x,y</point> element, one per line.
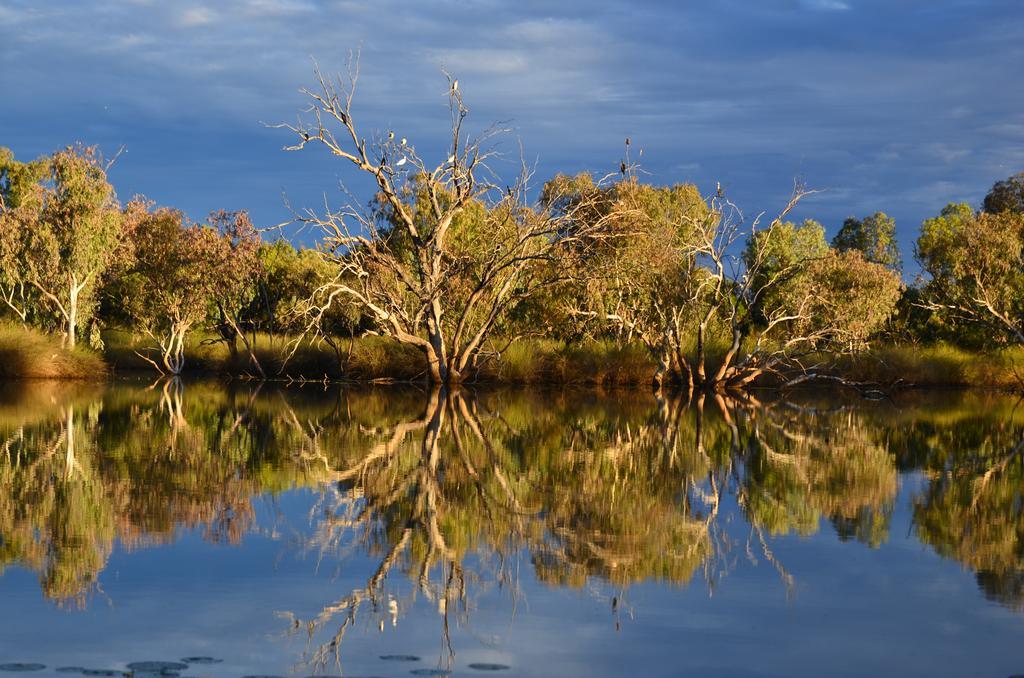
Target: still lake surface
<point>312,531</point>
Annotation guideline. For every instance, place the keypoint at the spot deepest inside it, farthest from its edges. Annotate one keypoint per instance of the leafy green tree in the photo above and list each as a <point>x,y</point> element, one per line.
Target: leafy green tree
<point>976,265</point>
<point>784,251</point>
<point>69,227</point>
<point>180,272</point>
<point>1006,195</point>
<point>842,300</point>
<point>636,255</point>
<point>874,237</point>
<point>238,280</point>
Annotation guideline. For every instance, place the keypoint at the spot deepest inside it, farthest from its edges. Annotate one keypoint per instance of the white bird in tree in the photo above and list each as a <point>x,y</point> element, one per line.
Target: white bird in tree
<point>391,136</point>
<point>455,85</point>
<point>451,159</point>
<point>402,161</point>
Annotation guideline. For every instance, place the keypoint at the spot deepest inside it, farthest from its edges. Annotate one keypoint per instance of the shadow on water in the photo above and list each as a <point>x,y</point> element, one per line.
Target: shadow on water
<point>447,490</point>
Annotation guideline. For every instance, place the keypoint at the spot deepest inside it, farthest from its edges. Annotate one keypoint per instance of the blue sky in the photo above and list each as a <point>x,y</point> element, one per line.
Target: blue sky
<point>894,105</point>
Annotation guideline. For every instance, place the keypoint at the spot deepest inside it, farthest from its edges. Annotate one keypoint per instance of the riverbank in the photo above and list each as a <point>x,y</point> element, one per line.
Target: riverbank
<point>30,354</point>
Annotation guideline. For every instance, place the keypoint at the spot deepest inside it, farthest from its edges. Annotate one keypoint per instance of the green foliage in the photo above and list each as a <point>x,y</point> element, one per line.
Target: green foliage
<point>182,274</point>
<point>844,296</point>
<point>1006,195</point>
<point>636,258</point>
<point>63,229</point>
<point>779,255</point>
<point>874,237</point>
<point>976,264</point>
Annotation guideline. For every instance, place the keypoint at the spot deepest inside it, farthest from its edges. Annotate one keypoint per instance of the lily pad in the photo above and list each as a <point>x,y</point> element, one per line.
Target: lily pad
<point>157,667</point>
<point>486,666</point>
<point>399,657</point>
<point>19,666</point>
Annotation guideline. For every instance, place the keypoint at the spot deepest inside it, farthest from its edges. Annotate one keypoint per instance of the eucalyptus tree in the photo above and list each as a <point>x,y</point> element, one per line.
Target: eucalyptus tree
<point>446,251</point>
<point>1006,195</point>
<point>874,237</point>
<point>179,274</point>
<point>19,196</point>
<point>715,316</point>
<point>976,265</point>
<point>63,228</point>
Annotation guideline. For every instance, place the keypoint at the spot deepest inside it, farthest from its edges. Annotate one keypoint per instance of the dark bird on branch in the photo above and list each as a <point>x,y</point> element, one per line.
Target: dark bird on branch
<point>622,167</point>
<point>718,189</point>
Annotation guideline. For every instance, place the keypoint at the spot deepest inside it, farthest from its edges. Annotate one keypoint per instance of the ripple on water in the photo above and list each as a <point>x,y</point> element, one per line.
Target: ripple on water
<point>487,666</point>
<point>399,657</point>
<point>430,672</point>
<point>202,660</point>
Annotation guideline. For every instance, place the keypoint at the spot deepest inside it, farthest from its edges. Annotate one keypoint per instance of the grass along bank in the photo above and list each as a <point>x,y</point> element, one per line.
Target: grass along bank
<point>26,353</point>
<point>30,354</point>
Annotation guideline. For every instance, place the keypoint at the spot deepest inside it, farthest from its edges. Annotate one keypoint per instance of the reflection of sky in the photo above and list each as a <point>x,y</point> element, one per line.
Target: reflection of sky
<point>898,610</point>
<point>900,106</point>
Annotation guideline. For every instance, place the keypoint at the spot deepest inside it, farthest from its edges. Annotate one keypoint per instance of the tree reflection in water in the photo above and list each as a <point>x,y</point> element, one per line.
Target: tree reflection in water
<point>452,493</point>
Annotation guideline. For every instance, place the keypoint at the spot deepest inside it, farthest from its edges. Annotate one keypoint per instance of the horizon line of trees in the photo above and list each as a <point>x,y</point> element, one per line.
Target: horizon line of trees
<point>453,261</point>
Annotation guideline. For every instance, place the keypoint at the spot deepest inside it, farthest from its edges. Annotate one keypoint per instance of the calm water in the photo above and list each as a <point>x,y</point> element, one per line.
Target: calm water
<point>395,533</point>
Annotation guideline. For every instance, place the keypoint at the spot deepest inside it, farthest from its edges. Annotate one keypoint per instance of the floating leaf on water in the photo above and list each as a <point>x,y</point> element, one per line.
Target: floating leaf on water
<point>202,660</point>
<point>399,657</point>
<point>486,666</point>
<point>157,667</point>
<point>19,666</point>
<point>430,672</point>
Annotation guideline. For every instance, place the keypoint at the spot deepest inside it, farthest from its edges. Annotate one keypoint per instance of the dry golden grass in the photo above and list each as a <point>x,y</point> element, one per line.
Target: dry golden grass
<point>30,354</point>
<point>937,366</point>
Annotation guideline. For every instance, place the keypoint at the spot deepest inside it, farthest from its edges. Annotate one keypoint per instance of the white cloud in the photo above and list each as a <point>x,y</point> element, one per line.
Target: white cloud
<point>196,16</point>
<point>825,5</point>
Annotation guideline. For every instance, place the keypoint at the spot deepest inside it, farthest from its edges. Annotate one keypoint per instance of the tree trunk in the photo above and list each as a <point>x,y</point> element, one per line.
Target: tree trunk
<point>72,312</point>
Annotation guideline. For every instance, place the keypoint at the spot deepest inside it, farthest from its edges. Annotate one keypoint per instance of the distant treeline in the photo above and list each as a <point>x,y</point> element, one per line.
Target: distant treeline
<point>459,268</point>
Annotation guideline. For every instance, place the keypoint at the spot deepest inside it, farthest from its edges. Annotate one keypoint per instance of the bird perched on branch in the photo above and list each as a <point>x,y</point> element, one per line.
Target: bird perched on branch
<point>718,189</point>
<point>622,167</point>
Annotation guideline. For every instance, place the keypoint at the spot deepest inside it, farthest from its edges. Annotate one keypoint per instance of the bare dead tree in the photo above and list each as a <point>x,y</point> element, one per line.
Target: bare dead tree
<point>457,249</point>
